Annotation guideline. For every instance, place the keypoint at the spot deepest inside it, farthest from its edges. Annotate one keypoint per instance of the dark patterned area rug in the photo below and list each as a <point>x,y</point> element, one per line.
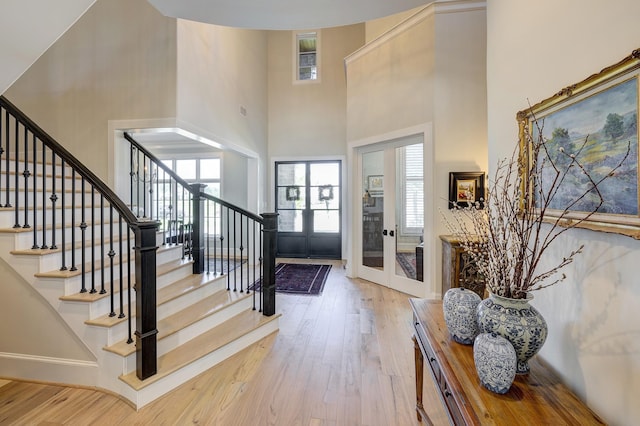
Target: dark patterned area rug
<point>298,278</point>
<point>407,262</point>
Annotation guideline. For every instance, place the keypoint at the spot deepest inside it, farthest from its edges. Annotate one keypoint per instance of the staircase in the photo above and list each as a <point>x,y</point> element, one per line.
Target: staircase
<point>64,235</point>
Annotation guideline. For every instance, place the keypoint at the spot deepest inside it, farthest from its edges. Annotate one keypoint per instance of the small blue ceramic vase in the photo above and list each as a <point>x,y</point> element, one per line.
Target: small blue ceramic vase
<point>459,306</point>
<point>495,361</point>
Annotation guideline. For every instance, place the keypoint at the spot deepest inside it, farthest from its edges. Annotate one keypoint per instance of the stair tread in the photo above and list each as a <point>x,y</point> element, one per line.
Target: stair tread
<point>201,346</point>
<point>180,320</point>
<point>68,273</point>
<point>192,281</point>
<point>78,244</point>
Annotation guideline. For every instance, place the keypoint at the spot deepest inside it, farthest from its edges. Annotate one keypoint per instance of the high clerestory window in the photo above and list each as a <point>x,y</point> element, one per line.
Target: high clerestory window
<point>307,54</point>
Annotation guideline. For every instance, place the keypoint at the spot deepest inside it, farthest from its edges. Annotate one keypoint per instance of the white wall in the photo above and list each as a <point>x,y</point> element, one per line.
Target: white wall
<point>29,326</point>
<point>222,86</point>
<point>427,71</point>
<point>309,119</point>
<point>534,50</point>
<point>117,62</point>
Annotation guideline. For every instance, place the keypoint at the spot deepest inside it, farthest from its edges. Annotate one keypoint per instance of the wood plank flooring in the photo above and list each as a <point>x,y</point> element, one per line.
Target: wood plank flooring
<point>342,358</point>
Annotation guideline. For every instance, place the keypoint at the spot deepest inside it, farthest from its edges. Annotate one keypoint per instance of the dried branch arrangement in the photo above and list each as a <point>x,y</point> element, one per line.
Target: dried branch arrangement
<point>508,238</point>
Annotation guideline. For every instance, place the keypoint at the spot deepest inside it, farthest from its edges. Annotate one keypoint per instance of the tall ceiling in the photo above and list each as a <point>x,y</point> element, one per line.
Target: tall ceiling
<point>283,14</point>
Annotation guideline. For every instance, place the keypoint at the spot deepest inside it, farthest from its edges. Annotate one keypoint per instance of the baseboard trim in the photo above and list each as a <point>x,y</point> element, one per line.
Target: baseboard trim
<point>62,371</point>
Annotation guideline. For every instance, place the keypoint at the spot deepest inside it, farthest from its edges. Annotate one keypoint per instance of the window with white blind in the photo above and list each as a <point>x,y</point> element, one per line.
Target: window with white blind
<point>412,187</point>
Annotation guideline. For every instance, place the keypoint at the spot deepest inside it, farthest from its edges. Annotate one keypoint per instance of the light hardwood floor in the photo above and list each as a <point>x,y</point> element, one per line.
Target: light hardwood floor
<point>342,358</point>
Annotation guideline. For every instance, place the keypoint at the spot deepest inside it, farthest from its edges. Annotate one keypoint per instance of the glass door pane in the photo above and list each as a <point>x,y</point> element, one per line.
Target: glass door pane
<point>409,211</point>
<point>291,196</point>
<point>325,197</point>
<point>373,209</point>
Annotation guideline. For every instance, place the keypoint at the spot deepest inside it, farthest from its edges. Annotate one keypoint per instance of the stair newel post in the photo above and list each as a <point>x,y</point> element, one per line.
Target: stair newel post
<point>197,228</point>
<point>145,286</point>
<point>270,232</point>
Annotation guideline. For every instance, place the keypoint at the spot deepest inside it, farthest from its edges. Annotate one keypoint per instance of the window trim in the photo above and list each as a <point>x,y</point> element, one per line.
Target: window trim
<point>296,56</point>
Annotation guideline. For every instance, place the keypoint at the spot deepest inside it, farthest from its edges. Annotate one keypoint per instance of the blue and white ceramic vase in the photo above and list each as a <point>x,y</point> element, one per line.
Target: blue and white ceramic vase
<point>517,321</point>
<point>495,360</point>
<point>459,307</point>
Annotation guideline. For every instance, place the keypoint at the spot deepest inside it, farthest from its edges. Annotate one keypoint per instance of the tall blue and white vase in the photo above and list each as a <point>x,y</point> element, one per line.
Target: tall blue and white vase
<point>459,307</point>
<point>495,360</point>
<point>517,321</point>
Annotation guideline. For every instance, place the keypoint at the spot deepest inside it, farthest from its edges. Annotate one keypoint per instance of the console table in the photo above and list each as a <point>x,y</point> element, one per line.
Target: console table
<point>536,398</point>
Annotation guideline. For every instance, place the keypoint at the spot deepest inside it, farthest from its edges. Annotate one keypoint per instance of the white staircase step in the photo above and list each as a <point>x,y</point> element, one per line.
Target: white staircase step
<point>209,348</point>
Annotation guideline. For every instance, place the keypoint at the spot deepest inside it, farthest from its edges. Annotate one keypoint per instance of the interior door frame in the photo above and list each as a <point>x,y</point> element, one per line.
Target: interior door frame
<point>354,268</point>
<point>343,186</point>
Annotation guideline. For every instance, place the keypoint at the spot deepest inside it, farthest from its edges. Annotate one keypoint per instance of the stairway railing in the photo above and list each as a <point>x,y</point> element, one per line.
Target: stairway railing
<point>70,211</point>
<point>30,158</point>
<point>217,236</point>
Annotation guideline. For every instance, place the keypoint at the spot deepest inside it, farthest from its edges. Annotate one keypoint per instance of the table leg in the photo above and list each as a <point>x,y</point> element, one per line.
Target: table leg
<point>419,377</point>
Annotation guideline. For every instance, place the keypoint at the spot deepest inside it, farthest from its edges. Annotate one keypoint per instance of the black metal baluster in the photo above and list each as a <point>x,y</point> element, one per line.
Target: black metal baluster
<point>164,207</point>
<point>83,229</point>
<point>131,173</point>
<point>130,339</point>
<point>44,198</point>
<point>138,183</point>
<point>151,174</point>
<point>144,185</point>
<point>54,199</point>
<point>241,253</point>
<point>93,242</point>
<point>228,250</point>
<point>26,174</point>
<point>112,312</point>
<point>190,226</point>
<point>6,158</point>
<point>73,220</point>
<point>235,252</point>
<point>207,233</point>
<point>16,150</point>
<point>64,214</point>
<point>35,245</point>
<point>215,232</point>
<point>254,264</point>
<point>121,267</point>
<point>102,289</point>
<point>260,270</point>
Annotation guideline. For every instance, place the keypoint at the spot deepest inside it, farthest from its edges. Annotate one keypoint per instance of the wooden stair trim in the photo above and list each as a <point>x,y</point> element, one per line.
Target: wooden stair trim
<point>205,344</point>
<point>107,321</point>
<point>163,269</point>
<point>180,320</point>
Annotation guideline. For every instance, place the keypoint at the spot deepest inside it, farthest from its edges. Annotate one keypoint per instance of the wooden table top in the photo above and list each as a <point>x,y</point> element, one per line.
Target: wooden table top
<point>537,398</point>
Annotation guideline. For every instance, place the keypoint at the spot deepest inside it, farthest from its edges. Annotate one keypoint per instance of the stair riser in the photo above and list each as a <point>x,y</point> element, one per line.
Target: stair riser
<point>162,386</point>
<point>171,342</point>
<point>68,181</point>
<point>53,260</point>
<point>119,331</point>
<point>173,276</point>
<point>184,301</point>
<point>8,218</point>
<point>69,198</point>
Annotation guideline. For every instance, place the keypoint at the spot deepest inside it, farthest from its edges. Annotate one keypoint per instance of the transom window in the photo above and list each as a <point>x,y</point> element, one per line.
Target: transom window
<point>307,48</point>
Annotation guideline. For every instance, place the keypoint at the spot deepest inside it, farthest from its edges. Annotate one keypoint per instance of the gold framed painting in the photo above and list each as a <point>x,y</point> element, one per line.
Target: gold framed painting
<point>597,118</point>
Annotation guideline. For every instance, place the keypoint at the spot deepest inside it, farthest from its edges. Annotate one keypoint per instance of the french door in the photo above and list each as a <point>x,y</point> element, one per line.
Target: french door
<point>391,225</point>
<point>309,207</point>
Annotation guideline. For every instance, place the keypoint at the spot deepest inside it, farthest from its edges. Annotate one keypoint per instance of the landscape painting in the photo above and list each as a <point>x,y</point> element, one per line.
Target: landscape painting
<point>598,130</point>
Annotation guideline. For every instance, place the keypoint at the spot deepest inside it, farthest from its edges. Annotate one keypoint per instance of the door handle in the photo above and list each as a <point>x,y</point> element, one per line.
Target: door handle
<point>384,232</point>
<point>391,233</point>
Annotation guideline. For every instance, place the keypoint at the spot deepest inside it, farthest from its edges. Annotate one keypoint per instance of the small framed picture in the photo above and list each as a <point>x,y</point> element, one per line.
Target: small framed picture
<point>465,189</point>
<point>376,185</point>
